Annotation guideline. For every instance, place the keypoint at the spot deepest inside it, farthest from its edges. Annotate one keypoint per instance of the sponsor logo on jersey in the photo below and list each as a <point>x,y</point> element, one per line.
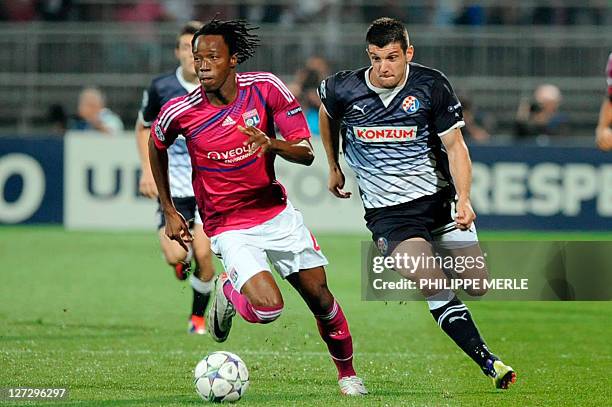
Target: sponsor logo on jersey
<point>361,109</point>
<point>228,121</point>
<point>233,155</point>
<point>410,104</point>
<point>294,111</point>
<point>159,133</point>
<point>385,134</point>
<point>251,118</point>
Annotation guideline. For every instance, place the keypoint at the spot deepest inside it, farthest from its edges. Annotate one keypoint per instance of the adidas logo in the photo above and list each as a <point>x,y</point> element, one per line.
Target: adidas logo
<point>228,121</point>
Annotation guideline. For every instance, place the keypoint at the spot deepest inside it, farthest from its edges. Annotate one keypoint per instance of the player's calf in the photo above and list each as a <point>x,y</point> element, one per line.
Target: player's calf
<point>201,296</point>
<point>331,322</point>
<point>334,330</point>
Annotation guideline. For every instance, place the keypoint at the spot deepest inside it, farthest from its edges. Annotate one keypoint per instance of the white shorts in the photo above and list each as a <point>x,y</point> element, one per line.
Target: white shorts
<point>455,238</point>
<point>283,240</point>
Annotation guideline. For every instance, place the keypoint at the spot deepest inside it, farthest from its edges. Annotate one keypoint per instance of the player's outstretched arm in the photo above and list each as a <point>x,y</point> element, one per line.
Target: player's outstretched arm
<point>330,135</point>
<point>147,185</point>
<point>176,226</point>
<point>603,132</point>
<point>297,151</point>
<point>461,171</point>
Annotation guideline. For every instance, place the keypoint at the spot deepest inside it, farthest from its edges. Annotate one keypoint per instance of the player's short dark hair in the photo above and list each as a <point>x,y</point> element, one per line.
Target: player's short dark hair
<point>385,30</point>
<point>237,35</point>
<point>190,28</point>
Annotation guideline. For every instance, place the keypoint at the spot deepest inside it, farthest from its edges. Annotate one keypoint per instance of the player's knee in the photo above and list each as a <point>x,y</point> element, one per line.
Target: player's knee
<point>174,256</point>
<point>205,262</point>
<point>475,282</point>
<point>205,270</point>
<point>268,300</point>
<point>477,291</point>
<point>322,298</point>
<point>269,312</point>
<point>172,251</point>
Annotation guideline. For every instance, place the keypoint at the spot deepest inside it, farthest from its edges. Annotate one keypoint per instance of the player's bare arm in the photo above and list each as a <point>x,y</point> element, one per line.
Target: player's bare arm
<point>176,226</point>
<point>461,171</point>
<point>297,151</point>
<point>330,135</point>
<point>604,132</point>
<point>146,185</point>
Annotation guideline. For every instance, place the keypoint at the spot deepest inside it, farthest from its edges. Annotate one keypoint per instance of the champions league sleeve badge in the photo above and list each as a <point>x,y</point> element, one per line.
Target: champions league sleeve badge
<point>251,118</point>
<point>159,133</point>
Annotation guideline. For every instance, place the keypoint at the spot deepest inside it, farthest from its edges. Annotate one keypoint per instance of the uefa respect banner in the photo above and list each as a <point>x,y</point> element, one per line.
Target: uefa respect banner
<point>31,180</point>
<point>101,184</point>
<point>89,181</point>
<point>542,188</point>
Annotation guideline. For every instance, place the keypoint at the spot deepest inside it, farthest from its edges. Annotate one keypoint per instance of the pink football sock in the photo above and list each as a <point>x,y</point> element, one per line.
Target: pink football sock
<point>250,313</point>
<point>334,330</point>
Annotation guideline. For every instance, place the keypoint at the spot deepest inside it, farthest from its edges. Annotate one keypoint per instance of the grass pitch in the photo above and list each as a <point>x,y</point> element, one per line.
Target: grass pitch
<point>101,314</point>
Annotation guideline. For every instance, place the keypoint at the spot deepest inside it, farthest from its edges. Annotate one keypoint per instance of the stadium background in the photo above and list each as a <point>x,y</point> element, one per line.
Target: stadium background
<point>84,288</point>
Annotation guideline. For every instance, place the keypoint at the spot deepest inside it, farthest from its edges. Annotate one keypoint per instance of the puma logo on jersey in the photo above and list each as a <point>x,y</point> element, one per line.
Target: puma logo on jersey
<point>360,109</point>
<point>453,319</point>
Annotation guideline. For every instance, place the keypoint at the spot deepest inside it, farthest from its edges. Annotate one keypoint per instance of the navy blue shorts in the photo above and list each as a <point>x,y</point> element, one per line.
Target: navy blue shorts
<point>185,206</point>
<point>427,217</point>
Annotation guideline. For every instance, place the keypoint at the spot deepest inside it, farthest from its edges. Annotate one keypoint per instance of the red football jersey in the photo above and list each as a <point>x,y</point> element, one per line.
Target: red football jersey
<point>234,188</point>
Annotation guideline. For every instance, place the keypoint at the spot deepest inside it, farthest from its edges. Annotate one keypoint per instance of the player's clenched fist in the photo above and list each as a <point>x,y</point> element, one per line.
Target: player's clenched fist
<point>336,183</point>
<point>465,214</point>
<point>256,139</point>
<point>147,185</point>
<point>177,228</point>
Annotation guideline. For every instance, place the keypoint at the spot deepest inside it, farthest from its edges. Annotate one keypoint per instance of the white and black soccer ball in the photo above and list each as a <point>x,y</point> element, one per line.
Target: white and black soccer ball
<point>221,376</point>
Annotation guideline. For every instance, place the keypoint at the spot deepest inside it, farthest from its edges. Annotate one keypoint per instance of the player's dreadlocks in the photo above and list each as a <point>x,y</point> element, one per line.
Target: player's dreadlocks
<point>236,33</point>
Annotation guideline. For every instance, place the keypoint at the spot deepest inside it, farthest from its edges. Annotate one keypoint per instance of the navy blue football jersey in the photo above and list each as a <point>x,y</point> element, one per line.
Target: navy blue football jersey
<point>162,89</point>
<point>391,137</point>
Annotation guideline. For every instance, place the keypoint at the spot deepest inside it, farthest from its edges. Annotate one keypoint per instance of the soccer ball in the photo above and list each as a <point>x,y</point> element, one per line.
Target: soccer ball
<point>221,376</point>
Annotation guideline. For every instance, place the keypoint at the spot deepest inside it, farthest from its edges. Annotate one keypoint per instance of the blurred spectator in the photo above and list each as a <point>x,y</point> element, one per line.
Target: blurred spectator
<point>179,10</point>
<point>94,115</point>
<point>541,115</point>
<point>509,14</point>
<point>260,13</point>
<point>478,124</point>
<point>57,119</point>
<point>552,13</point>
<point>305,85</point>
<point>19,10</point>
<point>54,10</point>
<point>471,14</point>
<point>142,11</point>
<point>389,8</point>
